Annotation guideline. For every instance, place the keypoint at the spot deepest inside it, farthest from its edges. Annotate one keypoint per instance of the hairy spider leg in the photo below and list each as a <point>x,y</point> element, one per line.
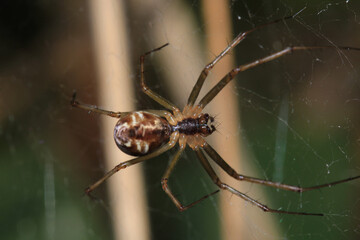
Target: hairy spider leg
<point>156,97</point>
<point>92,108</point>
<point>231,172</point>
<point>228,77</point>
<point>199,83</point>
<point>205,163</point>
<point>167,190</point>
<point>95,109</point>
<point>172,142</point>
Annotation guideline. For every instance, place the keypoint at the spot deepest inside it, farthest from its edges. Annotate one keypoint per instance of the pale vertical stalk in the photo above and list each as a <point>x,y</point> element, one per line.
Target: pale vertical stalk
<point>238,216</point>
<point>115,90</point>
<point>183,58</point>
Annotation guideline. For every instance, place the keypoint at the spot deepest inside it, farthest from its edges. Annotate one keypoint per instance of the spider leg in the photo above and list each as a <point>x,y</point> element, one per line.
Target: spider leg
<point>205,163</point>
<point>173,140</point>
<point>229,170</point>
<point>165,179</point>
<point>165,114</point>
<point>93,108</point>
<point>199,83</point>
<point>156,97</point>
<point>228,77</point>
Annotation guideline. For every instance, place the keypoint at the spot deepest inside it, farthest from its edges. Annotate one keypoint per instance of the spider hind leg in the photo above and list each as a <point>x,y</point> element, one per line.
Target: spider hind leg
<point>205,163</point>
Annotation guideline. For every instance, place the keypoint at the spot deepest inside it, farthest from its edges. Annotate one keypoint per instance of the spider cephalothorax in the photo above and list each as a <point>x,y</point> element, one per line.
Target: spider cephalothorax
<point>150,133</point>
<point>202,125</point>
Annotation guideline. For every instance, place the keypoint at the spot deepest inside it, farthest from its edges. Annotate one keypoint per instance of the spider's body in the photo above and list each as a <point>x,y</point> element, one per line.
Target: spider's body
<point>149,133</point>
<point>139,133</point>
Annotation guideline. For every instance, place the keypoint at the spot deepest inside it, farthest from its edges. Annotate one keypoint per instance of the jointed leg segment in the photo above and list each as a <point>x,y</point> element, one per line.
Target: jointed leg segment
<point>229,170</point>
<point>156,97</point>
<point>196,90</point>
<point>173,140</point>
<point>230,76</point>
<point>95,109</point>
<point>165,179</point>
<point>224,186</point>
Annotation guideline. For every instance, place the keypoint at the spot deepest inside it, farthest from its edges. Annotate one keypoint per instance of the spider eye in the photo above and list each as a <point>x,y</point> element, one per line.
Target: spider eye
<point>203,119</point>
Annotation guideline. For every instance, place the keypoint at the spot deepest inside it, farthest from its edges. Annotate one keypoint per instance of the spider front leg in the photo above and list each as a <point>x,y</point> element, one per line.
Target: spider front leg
<point>231,75</point>
<point>205,163</point>
<point>165,179</point>
<point>199,83</point>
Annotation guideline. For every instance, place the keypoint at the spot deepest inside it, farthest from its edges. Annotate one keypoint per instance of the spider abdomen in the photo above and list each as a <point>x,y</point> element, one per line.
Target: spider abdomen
<point>139,133</point>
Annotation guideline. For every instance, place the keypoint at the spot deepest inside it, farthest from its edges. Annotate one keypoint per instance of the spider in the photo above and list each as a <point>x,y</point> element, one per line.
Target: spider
<point>149,133</point>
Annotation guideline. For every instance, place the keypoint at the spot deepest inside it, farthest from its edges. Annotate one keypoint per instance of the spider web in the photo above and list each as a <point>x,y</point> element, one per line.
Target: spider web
<point>294,119</point>
<point>299,120</point>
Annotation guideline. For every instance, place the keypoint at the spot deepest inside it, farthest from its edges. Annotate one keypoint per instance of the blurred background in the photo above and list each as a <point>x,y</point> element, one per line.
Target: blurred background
<point>294,120</point>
